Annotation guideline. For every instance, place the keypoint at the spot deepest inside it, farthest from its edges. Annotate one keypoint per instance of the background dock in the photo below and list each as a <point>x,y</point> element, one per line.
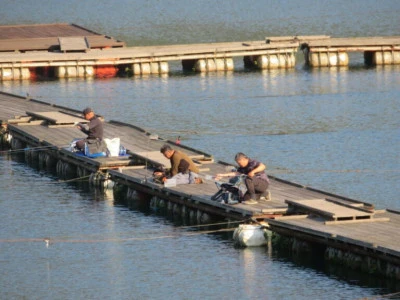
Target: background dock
<point>68,51</point>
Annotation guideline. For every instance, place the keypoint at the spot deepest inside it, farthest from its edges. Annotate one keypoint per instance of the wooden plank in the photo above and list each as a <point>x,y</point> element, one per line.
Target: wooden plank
<point>73,44</point>
<point>353,49</point>
<point>329,209</point>
<point>357,206</point>
<point>154,156</point>
<point>43,30</point>
<point>45,37</point>
<point>355,42</point>
<point>57,117</point>
<point>357,221</point>
<point>300,38</point>
<point>293,217</point>
<point>32,123</point>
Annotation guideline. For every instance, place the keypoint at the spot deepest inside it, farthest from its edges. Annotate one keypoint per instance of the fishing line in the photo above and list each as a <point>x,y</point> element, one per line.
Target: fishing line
<point>39,148</point>
<point>151,231</point>
<point>49,241</point>
<point>72,180</point>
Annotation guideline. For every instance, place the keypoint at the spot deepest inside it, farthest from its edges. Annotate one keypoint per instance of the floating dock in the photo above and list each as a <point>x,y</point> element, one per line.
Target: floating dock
<point>333,52</point>
<point>68,51</point>
<point>343,226</point>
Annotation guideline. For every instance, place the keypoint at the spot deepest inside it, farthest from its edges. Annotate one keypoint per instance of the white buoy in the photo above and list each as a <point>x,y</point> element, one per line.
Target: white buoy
<point>396,57</point>
<point>248,235</point>
<point>154,68</point>
<point>200,65</point>
<point>291,60</point>
<point>145,69</point>
<point>382,58</point>
<point>211,67</point>
<point>164,67</point>
<point>71,72</point>
<point>313,59</point>
<point>6,74</point>
<point>89,71</point>
<point>262,61</point>
<point>229,65</point>
<point>220,64</point>
<point>61,72</point>
<point>136,69</point>
<point>274,61</point>
<point>323,59</point>
<point>282,60</point>
<point>338,59</point>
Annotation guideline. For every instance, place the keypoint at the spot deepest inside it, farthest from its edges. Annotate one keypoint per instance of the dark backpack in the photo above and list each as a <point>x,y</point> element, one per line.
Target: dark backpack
<point>232,192</point>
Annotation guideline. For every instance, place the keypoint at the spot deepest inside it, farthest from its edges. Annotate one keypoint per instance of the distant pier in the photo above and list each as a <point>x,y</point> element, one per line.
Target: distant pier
<point>68,51</point>
<point>348,231</point>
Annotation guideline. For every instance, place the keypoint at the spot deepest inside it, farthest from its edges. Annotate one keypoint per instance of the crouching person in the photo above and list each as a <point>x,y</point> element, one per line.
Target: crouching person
<point>184,175</point>
<point>257,182</point>
<point>183,169</point>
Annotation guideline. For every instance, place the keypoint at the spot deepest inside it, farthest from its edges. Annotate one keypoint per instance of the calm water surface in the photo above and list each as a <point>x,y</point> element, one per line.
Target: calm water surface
<point>335,129</point>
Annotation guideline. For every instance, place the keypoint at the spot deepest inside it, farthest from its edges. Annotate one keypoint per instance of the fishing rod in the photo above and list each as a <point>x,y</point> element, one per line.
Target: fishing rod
<point>39,148</point>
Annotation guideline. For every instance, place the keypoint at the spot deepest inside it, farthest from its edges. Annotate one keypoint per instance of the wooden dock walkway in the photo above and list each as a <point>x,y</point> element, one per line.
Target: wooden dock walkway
<point>377,237</point>
<point>294,210</point>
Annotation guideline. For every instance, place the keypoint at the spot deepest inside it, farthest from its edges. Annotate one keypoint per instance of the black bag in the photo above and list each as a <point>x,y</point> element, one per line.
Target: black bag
<point>232,192</point>
<point>159,178</point>
<point>96,146</point>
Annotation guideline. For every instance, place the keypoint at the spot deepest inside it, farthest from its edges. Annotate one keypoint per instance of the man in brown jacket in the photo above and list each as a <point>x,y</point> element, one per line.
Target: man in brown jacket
<point>175,158</point>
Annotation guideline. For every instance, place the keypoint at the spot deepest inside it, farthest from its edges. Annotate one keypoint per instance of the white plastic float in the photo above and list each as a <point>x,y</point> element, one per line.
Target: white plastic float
<point>249,235</point>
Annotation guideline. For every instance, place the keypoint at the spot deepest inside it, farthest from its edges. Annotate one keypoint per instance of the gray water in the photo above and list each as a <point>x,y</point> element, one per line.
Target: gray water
<point>336,129</point>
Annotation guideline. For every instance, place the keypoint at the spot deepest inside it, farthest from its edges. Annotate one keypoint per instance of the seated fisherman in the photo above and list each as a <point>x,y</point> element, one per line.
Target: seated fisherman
<point>257,181</point>
<point>94,133</point>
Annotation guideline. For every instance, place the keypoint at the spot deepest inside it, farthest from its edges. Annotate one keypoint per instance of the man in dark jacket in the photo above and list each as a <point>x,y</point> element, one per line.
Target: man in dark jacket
<point>94,133</point>
<point>257,181</point>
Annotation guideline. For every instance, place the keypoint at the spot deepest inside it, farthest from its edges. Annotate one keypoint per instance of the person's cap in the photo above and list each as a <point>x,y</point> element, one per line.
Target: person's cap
<point>87,110</point>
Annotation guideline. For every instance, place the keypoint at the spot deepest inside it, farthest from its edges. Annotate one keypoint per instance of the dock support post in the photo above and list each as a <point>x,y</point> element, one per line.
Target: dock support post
<point>17,144</point>
<point>5,137</point>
